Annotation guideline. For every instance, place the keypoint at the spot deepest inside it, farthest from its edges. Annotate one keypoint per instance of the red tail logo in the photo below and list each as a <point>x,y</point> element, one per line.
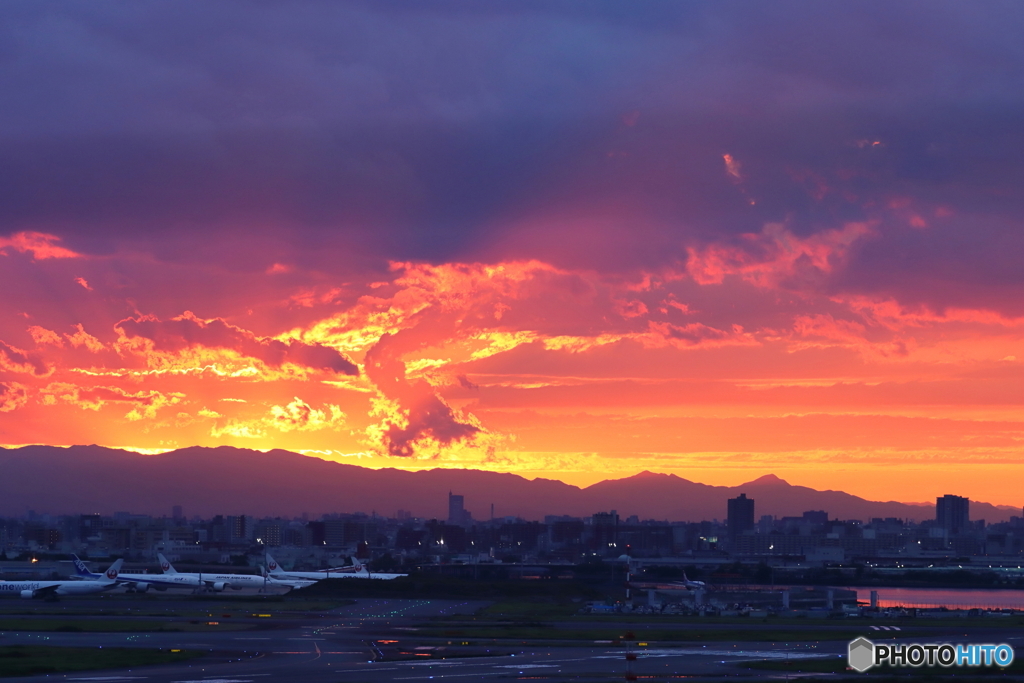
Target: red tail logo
<point>273,566</point>
<point>165,566</point>
<point>111,573</point>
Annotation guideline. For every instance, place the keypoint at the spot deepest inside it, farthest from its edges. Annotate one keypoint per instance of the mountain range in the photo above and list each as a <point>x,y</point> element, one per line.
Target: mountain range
<point>233,481</point>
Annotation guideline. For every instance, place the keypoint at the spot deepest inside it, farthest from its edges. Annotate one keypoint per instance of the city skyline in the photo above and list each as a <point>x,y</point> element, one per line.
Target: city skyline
<point>714,240</point>
<point>813,535</point>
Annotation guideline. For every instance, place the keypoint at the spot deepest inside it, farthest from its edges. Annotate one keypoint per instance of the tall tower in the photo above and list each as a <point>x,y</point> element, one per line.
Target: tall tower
<point>952,513</point>
<point>741,515</point>
<point>456,509</point>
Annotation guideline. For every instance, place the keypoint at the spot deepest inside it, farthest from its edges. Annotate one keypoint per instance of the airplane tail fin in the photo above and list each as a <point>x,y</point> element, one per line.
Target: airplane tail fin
<point>113,570</point>
<point>165,566</point>
<point>81,569</point>
<point>272,565</point>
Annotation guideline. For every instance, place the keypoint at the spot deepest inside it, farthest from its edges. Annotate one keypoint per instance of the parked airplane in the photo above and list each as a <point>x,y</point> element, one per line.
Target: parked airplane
<point>214,581</point>
<point>290,584</point>
<point>318,574</point>
<point>140,583</point>
<point>360,572</point>
<point>46,589</point>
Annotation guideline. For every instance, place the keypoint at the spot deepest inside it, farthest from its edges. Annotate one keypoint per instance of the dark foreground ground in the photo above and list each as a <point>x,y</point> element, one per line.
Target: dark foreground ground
<point>338,639</point>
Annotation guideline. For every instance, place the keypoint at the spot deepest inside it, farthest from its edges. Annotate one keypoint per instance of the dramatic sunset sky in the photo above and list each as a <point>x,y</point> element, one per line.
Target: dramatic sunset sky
<point>565,239</point>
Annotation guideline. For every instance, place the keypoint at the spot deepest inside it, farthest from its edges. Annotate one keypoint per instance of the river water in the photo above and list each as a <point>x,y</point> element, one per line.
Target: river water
<point>953,598</point>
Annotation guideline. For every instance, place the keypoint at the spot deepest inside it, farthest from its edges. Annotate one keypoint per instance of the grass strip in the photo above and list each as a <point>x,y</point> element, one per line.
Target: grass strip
<point>837,665</point>
<point>648,634</point>
<point>32,660</point>
<point>102,625</point>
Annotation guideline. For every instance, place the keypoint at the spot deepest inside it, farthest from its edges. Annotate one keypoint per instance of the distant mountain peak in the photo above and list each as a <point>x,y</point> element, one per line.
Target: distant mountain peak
<point>282,483</point>
<point>767,480</point>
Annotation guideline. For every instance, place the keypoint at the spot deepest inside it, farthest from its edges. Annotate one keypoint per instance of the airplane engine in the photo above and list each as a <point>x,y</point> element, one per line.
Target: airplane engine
<point>219,586</point>
<point>141,587</point>
<point>28,594</point>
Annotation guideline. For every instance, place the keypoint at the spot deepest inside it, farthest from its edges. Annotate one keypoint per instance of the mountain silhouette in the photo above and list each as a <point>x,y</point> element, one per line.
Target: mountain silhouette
<point>232,481</point>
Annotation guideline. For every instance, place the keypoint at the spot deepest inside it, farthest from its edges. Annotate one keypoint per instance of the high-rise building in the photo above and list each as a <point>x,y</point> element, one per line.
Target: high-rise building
<point>457,513</point>
<point>604,528</point>
<point>952,513</point>
<point>176,512</point>
<point>741,515</point>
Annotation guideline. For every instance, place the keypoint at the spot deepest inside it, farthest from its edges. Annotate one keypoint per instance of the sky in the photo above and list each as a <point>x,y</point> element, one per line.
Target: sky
<point>566,240</point>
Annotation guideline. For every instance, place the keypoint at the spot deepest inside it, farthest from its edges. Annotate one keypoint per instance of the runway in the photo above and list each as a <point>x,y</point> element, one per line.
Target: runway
<point>395,640</point>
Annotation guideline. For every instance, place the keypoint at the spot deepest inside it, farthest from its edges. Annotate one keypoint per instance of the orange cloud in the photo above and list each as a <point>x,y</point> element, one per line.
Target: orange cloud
<point>296,416</point>
<point>12,396</point>
<point>145,403</point>
<point>42,336</point>
<point>83,338</point>
<point>40,245</point>
<point>299,415</point>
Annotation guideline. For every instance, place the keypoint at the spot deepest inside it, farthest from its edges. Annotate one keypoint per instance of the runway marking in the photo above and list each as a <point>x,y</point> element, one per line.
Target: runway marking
<point>738,654</point>
<point>109,678</point>
<point>526,666</point>
<point>413,678</point>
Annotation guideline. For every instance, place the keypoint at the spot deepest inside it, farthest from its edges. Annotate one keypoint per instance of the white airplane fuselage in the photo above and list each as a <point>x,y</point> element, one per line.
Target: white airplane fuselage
<point>32,589</point>
<point>222,581</point>
<point>160,581</point>
<point>322,575</point>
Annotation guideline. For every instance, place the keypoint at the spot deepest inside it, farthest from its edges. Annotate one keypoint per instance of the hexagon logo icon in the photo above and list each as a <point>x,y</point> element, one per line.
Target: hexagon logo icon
<point>861,655</point>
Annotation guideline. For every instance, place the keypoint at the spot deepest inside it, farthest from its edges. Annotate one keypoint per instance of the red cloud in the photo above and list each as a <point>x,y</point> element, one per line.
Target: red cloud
<point>424,414</point>
<point>40,245</point>
<point>774,256</point>
<point>17,360</point>
<point>187,331</point>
